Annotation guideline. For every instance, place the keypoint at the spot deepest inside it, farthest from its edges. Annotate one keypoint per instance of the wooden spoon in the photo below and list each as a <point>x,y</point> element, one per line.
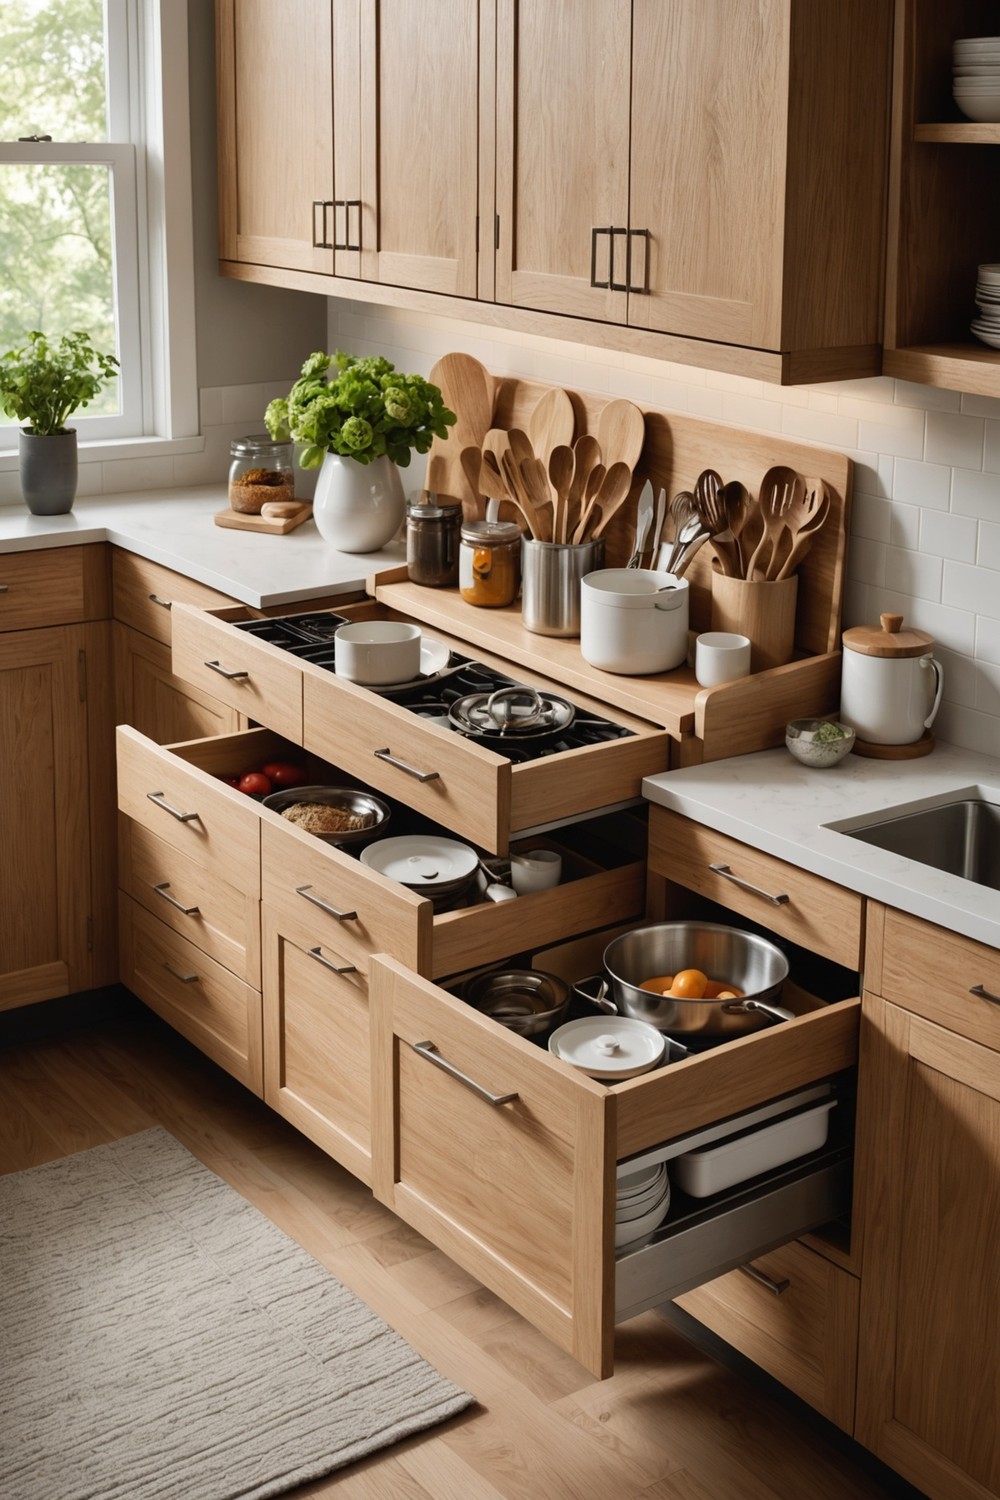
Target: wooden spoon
<point>491,480</point>
<point>803,522</point>
<point>621,432</point>
<point>736,498</point>
<point>472,464</point>
<point>562,467</point>
<point>588,503</point>
<point>519,496</point>
<point>551,423</point>
<point>536,483</point>
<point>613,493</point>
<point>777,491</point>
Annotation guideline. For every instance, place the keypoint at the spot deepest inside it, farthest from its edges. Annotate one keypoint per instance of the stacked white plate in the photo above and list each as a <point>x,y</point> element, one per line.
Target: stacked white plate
<point>976,77</point>
<point>642,1201</point>
<point>986,326</point>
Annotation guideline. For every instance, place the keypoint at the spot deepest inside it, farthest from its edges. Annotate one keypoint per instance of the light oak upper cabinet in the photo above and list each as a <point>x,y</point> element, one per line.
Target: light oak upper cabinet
<point>420,144</point>
<point>700,168</point>
<point>289,113</point>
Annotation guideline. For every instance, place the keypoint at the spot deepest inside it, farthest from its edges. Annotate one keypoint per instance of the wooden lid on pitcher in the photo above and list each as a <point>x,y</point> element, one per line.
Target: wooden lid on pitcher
<point>887,639</point>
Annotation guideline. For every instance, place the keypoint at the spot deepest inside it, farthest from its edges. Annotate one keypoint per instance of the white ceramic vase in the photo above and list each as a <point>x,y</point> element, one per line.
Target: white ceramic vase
<point>358,507</point>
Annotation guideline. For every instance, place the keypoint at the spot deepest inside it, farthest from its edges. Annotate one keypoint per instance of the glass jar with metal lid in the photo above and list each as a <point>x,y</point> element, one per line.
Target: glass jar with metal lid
<point>259,470</point>
<point>489,565</point>
<point>433,530</point>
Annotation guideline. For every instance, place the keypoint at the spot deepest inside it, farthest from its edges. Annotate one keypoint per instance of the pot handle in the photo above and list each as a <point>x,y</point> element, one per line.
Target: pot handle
<point>600,999</point>
<point>930,661</point>
<point>773,1012</point>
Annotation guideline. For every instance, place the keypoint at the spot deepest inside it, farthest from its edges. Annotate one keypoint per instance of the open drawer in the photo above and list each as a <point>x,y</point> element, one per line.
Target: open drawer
<point>506,1157</point>
<point>176,792</point>
<point>474,792</point>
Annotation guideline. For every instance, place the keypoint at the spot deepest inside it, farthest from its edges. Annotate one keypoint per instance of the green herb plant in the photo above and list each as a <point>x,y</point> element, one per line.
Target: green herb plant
<point>364,409</point>
<point>43,383</point>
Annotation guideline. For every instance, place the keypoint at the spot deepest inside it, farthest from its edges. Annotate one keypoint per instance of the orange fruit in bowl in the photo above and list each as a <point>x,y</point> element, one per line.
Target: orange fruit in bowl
<point>659,984</point>
<point>689,984</point>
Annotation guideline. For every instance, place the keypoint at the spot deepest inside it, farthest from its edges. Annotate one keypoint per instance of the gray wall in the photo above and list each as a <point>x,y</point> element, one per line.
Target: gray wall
<point>245,333</point>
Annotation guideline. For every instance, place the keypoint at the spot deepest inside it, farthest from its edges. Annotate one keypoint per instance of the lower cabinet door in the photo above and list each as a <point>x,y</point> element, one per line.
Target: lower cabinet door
<point>794,1314</point>
<point>317,1052</point>
<point>214,1009</point>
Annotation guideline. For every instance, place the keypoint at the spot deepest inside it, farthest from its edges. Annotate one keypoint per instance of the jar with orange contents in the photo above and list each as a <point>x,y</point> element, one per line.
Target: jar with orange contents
<point>489,563</point>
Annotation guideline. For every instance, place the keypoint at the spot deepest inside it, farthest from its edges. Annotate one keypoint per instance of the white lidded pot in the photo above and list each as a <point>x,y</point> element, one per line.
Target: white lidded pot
<point>891,685</point>
<point>633,621</point>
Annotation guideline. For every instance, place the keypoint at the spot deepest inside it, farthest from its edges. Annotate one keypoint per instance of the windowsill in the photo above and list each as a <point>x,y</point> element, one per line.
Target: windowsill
<point>109,449</point>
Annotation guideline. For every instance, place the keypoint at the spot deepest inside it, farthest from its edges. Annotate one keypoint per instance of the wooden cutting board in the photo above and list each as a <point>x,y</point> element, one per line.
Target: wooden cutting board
<point>272,525</point>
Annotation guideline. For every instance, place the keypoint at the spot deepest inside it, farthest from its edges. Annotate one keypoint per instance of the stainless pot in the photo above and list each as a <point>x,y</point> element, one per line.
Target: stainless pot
<point>527,1001</point>
<point>747,962</point>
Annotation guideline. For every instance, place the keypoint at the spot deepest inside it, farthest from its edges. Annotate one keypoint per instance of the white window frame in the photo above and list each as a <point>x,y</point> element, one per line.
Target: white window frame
<point>147,59</point>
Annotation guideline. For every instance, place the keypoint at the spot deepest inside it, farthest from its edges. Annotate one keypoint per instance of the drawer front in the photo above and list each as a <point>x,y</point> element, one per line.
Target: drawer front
<point>48,587</point>
<point>317,1047</point>
<point>941,975</point>
<point>796,1316</point>
<point>145,591</point>
<point>477,794</point>
<point>336,901</point>
<point>214,825</point>
<point>219,919</point>
<point>191,992</point>
<point>254,678</point>
<point>445,1158</point>
<point>151,699</point>
<point>816,913</point>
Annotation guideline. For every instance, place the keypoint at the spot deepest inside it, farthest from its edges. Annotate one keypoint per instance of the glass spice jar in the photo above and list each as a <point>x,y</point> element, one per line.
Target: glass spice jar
<point>489,565</point>
<point>259,470</point>
<point>433,531</point>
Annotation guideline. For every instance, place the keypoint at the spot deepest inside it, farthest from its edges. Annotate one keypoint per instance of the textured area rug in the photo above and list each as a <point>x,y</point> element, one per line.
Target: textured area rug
<point>162,1340</point>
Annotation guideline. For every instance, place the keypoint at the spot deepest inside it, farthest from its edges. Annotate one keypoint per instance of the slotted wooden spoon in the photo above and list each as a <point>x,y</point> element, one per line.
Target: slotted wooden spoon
<point>803,522</point>
<point>779,489</point>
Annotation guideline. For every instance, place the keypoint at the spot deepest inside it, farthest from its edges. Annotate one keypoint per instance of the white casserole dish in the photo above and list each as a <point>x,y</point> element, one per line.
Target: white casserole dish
<point>712,1168</point>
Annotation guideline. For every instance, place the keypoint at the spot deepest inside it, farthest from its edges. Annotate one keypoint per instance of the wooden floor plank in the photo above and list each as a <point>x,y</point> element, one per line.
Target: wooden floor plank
<point>671,1424</point>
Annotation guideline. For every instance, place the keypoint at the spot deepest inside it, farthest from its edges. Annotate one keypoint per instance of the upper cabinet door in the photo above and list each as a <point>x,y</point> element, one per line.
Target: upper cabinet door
<point>562,153</point>
<point>709,110</point>
<point>275,102</point>
<point>420,144</point>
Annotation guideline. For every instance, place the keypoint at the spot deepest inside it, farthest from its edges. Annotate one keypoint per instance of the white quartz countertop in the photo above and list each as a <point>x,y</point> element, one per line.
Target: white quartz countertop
<point>772,802</point>
<point>175,527</point>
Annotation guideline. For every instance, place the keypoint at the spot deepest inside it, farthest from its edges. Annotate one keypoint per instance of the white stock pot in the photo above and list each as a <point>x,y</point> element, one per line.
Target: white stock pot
<point>891,685</point>
<point>633,621</point>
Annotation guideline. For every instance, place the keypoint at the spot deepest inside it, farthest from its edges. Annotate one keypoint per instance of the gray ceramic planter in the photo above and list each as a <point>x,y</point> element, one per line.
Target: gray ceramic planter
<point>48,471</point>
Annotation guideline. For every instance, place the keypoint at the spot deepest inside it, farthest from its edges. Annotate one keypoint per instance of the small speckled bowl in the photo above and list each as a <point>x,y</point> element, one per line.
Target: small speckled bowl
<point>800,737</point>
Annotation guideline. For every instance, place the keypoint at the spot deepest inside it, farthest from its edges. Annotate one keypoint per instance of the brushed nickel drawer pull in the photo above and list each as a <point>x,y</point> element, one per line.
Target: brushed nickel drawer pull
<point>163,889</point>
<point>229,676</point>
<point>341,916</point>
<point>428,1050</point>
<point>745,885</point>
<point>767,1282</point>
<point>984,994</point>
<point>4,588</point>
<point>184,978</point>
<point>317,954</point>
<point>401,765</point>
<point>163,603</point>
<point>160,799</point>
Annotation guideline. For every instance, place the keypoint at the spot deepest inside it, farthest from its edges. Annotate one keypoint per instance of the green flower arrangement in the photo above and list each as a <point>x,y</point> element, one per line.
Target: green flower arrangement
<point>364,410</point>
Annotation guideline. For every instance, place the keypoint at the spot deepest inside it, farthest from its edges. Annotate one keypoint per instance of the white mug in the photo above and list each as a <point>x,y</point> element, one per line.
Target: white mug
<point>377,651</point>
<point>720,656</point>
<point>535,870</point>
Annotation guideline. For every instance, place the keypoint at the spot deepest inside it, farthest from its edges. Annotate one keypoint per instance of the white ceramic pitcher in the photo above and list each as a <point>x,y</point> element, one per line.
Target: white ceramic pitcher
<point>891,685</point>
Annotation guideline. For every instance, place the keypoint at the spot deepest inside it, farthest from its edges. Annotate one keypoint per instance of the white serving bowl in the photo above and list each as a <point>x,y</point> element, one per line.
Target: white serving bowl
<point>984,107</point>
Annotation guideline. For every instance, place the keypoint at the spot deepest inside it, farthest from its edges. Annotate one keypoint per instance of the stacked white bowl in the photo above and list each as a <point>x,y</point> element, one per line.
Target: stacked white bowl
<point>986,326</point>
<point>642,1201</point>
<point>976,76</point>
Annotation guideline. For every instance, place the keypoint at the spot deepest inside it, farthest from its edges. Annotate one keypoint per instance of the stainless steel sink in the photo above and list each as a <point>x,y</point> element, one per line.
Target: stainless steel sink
<point>961,837</point>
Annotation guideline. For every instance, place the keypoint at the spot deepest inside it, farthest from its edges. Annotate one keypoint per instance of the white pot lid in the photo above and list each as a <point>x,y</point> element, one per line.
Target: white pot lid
<point>608,1046</point>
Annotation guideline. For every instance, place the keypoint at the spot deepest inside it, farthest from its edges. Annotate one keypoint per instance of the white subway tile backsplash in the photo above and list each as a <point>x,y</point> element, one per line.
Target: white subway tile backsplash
<point>988,640</point>
<point>946,535</point>
<point>244,403</point>
<point>987,689</point>
<point>971,588</point>
<point>893,429</point>
<point>921,484</point>
<point>929,397</point>
<point>989,547</point>
<point>991,449</point>
<point>828,428</point>
<point>210,406</point>
<point>866,560</point>
<point>913,573</point>
<point>953,628</point>
<point>961,676</point>
<point>904,529</point>
<point>123,474</point>
<point>975,494</point>
<point>955,439</point>
<point>871,518</point>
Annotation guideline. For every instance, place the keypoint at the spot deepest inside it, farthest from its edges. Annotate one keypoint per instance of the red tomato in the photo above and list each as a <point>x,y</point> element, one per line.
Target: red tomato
<point>282,773</point>
<point>255,784</point>
<point>231,781</point>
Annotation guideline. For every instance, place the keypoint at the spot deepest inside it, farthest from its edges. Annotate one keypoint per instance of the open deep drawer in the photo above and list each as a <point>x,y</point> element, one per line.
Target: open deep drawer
<point>507,1158</point>
<point>474,792</point>
<point>175,792</point>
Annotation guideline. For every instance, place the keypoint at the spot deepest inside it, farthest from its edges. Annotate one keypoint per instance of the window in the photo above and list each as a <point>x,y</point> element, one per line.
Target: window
<point>95,199</point>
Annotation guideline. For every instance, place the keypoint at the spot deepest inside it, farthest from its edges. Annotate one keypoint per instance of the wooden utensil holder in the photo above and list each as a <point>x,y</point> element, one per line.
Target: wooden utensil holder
<point>760,609</point>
